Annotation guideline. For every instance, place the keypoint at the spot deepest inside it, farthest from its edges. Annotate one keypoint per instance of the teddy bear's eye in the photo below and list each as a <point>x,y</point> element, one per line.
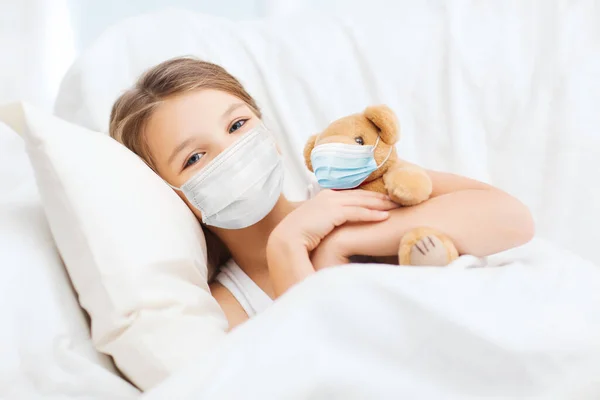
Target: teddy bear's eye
<point>359,140</point>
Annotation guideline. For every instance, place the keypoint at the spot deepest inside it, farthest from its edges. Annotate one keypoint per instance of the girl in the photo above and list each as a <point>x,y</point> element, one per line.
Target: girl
<point>197,128</point>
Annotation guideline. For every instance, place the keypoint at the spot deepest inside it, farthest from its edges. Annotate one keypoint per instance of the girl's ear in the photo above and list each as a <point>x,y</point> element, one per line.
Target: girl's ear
<point>384,118</point>
<point>310,144</point>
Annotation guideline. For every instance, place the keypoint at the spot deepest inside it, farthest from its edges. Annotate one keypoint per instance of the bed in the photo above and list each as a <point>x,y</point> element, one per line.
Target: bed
<point>503,93</point>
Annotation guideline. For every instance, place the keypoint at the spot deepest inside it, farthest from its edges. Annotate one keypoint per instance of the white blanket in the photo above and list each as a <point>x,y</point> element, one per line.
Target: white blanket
<point>526,325</point>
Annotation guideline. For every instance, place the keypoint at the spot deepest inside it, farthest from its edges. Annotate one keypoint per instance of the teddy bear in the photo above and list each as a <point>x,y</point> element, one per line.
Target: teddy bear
<point>358,151</point>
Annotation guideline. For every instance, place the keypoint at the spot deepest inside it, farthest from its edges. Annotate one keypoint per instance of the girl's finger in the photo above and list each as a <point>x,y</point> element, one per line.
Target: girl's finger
<point>374,203</point>
<point>365,193</point>
<point>361,214</point>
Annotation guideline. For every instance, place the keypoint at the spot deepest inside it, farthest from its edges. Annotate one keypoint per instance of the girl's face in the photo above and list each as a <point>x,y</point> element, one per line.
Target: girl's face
<point>187,131</point>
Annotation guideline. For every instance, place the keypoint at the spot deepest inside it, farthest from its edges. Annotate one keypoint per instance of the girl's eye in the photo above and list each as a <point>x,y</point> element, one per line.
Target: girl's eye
<point>193,159</point>
<point>237,125</point>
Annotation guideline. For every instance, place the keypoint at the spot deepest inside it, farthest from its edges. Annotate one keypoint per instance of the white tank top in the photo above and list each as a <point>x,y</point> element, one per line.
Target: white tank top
<point>250,296</point>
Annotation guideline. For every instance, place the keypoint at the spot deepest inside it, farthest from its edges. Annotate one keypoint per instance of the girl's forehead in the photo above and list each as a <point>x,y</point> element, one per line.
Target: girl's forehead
<point>205,103</point>
<point>191,111</point>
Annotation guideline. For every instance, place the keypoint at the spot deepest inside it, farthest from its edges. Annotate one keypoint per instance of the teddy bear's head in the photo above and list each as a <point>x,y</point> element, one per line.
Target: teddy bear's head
<point>362,129</point>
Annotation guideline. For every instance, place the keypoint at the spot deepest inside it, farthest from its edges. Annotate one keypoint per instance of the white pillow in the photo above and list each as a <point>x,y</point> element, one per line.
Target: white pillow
<point>44,341</point>
<point>135,253</point>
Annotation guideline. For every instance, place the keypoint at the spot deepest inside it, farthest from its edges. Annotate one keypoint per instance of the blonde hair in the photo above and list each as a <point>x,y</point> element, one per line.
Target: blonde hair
<point>132,110</point>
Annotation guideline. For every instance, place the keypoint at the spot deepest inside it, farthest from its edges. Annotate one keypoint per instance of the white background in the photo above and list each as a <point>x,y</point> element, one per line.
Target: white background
<point>39,39</point>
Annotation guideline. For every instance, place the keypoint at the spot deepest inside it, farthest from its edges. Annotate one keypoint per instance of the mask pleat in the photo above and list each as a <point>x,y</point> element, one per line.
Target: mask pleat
<point>342,166</point>
<point>236,189</point>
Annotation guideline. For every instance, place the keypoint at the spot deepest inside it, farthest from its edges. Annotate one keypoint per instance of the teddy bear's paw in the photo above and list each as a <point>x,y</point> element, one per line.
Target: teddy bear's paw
<point>408,186</point>
<point>429,251</point>
<point>424,246</point>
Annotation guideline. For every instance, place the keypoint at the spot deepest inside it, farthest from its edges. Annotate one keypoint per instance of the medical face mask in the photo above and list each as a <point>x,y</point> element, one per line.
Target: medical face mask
<point>241,185</point>
<point>344,166</point>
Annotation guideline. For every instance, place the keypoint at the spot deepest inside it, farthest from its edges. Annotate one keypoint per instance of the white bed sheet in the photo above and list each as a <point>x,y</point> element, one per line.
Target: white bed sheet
<point>525,326</point>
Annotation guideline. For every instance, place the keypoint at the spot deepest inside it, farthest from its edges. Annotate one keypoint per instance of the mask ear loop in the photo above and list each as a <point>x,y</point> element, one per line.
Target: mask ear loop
<point>388,154</point>
<point>376,143</point>
<point>180,190</point>
<point>172,187</point>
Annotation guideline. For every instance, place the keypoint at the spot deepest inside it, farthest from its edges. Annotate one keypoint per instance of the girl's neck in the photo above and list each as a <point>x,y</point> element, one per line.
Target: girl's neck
<point>248,246</point>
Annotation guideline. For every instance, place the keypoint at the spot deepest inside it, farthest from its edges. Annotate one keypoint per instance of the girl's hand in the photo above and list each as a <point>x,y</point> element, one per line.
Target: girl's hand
<point>332,251</point>
<point>304,228</point>
<point>312,221</point>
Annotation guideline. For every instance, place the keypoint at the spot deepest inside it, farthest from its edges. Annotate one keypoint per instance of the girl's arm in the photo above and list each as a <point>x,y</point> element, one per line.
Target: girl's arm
<point>480,219</point>
<point>234,312</point>
<point>301,231</point>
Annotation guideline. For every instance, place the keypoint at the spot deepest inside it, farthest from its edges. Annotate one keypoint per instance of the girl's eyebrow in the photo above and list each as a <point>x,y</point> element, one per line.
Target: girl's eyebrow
<point>230,110</point>
<point>179,148</point>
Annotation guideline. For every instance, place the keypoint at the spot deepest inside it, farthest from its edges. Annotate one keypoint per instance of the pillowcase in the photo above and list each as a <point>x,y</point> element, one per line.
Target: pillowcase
<point>135,253</point>
<point>44,341</point>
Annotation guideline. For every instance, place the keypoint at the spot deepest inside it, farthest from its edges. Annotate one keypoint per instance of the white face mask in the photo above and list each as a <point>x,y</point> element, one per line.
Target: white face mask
<point>241,185</point>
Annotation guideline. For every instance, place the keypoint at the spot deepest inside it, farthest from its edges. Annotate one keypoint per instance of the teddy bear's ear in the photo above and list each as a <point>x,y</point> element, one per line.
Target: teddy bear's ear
<point>384,118</point>
<point>310,144</point>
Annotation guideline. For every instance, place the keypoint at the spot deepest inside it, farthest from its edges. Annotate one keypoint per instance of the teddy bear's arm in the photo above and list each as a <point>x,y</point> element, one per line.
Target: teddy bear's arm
<point>407,184</point>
